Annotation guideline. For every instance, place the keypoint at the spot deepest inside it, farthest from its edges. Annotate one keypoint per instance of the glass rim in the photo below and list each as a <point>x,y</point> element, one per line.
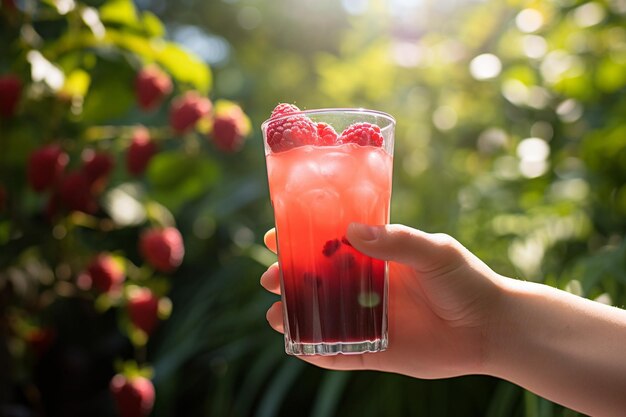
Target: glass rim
<point>353,110</point>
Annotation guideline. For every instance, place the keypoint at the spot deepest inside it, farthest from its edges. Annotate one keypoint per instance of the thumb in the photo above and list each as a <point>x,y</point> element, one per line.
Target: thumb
<point>423,251</point>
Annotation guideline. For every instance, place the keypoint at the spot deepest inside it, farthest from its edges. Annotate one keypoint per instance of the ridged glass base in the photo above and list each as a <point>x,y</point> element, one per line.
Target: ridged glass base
<point>328,349</point>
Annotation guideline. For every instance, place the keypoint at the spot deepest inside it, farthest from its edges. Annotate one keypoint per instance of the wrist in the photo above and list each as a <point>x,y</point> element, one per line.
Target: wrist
<point>504,325</point>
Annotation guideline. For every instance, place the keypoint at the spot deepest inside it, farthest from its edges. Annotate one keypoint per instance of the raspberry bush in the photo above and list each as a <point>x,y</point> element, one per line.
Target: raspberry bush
<point>107,132</point>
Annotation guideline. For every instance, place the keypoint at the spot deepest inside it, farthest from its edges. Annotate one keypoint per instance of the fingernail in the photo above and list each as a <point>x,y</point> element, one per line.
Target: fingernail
<point>365,232</point>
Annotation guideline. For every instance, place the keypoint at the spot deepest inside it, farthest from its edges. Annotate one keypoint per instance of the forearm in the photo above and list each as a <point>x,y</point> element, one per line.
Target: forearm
<point>562,347</point>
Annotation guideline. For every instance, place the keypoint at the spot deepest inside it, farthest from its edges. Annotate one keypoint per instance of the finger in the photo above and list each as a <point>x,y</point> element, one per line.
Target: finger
<point>270,239</point>
<point>275,317</point>
<point>341,362</point>
<point>270,280</point>
<point>424,251</point>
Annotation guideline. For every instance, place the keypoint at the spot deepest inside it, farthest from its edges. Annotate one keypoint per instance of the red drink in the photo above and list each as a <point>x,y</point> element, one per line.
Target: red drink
<point>334,297</point>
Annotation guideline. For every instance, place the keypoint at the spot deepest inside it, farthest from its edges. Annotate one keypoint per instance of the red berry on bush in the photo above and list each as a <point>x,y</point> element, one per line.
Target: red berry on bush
<point>151,87</point>
<point>140,151</point>
<point>106,274</point>
<point>187,110</point>
<point>162,248</point>
<point>75,193</point>
<point>228,131</point>
<point>134,397</point>
<point>143,309</point>
<point>10,92</point>
<point>96,168</point>
<point>45,167</point>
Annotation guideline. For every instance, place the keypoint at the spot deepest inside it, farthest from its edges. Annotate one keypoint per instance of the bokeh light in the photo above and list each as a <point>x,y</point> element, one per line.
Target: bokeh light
<point>529,20</point>
<point>485,66</point>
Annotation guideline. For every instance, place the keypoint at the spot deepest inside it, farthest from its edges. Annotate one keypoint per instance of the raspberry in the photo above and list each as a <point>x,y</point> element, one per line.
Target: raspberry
<point>331,247</point>
<point>162,248</point>
<point>187,110</point>
<point>151,87</point>
<point>326,134</point>
<point>75,193</point>
<point>134,397</point>
<point>143,309</point>
<point>283,109</point>
<point>140,151</point>
<point>228,131</point>
<point>363,134</point>
<point>45,167</point>
<point>10,92</point>
<point>106,275</point>
<point>289,132</point>
<point>96,168</point>
<point>341,252</point>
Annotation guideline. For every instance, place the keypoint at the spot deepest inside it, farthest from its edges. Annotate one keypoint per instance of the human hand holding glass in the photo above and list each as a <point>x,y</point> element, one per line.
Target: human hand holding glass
<point>439,300</point>
<point>450,314</point>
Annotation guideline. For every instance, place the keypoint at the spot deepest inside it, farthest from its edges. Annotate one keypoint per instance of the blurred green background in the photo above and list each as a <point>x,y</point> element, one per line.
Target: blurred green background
<point>511,137</point>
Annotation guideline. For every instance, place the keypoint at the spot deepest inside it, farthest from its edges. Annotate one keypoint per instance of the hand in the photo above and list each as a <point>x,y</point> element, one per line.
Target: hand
<point>441,303</point>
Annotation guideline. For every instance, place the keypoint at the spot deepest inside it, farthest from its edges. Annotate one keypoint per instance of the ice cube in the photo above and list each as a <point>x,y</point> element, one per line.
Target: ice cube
<point>321,206</point>
<point>365,199</point>
<point>302,177</point>
<point>337,168</point>
<point>378,168</point>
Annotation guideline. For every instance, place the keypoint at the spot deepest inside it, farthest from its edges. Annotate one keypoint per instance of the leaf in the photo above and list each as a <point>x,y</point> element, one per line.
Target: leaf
<point>610,76</point>
<point>152,25</point>
<point>278,388</point>
<point>504,400</point>
<point>120,12</point>
<point>330,393</point>
<point>177,177</point>
<point>531,404</point>
<point>256,376</point>
<point>76,83</point>
<point>110,94</point>
<point>184,66</point>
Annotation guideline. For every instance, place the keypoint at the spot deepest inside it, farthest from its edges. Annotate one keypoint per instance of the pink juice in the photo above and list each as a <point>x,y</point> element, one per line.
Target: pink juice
<point>331,292</point>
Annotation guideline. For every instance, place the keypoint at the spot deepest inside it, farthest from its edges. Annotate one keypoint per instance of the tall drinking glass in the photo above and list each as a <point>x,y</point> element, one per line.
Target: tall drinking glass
<point>334,297</point>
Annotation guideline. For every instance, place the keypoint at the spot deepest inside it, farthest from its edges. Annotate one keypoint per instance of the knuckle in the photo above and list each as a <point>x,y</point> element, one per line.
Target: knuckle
<point>401,235</point>
<point>447,244</point>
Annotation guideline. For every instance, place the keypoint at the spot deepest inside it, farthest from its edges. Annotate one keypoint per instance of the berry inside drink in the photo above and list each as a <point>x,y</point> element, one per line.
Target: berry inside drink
<point>334,297</point>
